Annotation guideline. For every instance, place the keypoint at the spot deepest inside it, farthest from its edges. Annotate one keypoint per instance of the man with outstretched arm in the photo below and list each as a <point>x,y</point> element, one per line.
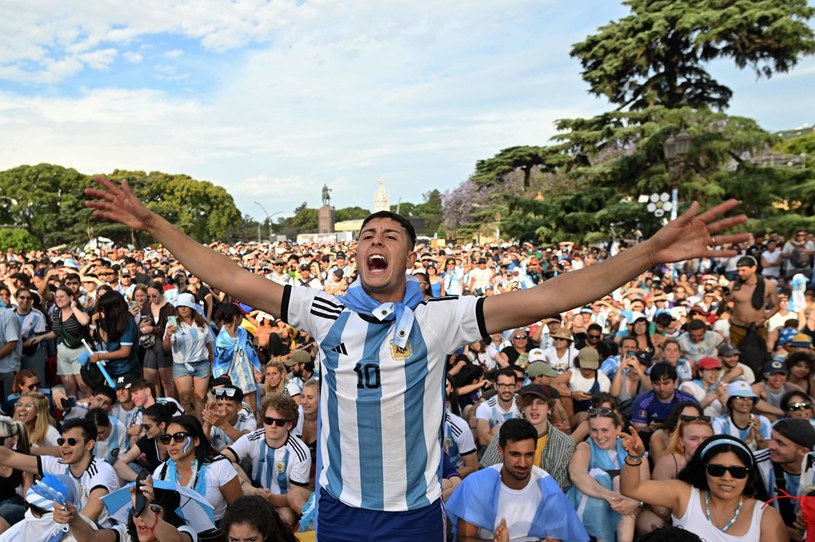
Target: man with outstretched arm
<point>383,352</point>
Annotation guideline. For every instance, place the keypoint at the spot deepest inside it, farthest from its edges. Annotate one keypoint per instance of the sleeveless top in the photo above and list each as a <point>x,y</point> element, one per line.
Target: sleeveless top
<point>696,522</point>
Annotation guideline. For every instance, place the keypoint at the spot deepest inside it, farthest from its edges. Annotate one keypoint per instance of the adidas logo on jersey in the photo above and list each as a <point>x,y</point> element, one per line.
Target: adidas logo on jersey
<point>340,349</point>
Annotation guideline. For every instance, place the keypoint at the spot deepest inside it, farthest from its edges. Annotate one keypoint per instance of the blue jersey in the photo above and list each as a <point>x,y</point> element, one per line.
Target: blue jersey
<point>382,406</point>
<point>646,408</point>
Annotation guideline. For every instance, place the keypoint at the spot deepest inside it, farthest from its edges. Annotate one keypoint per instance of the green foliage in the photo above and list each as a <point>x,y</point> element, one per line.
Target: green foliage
<point>657,54</point>
<point>350,213</point>
<point>18,240</point>
<point>800,145</point>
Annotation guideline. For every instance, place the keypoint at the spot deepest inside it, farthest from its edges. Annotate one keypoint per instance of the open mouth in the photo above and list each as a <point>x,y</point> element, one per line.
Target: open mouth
<point>377,263</point>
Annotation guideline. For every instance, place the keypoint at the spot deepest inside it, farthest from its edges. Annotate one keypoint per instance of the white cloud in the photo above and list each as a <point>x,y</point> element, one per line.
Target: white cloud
<point>175,53</point>
<point>133,58</point>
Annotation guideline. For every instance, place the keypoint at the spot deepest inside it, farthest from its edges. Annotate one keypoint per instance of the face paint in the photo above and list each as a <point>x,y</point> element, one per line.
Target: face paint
<point>187,444</point>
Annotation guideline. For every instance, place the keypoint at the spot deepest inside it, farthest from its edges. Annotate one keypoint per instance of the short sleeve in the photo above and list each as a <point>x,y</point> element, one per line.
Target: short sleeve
<point>301,463</point>
<point>223,470</point>
<point>483,412</point>
<point>104,477</point>
<point>130,335</point>
<point>242,448</point>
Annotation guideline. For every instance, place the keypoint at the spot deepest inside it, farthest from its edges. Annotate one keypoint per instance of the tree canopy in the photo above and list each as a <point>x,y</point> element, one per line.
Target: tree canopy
<point>657,54</point>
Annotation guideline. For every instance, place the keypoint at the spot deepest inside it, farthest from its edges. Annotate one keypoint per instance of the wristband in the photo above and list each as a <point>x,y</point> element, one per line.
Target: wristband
<point>636,456</point>
<point>637,464</point>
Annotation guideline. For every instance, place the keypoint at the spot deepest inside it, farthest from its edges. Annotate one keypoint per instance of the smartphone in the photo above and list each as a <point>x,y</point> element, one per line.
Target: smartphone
<point>69,402</point>
<point>172,321</point>
<point>141,501</point>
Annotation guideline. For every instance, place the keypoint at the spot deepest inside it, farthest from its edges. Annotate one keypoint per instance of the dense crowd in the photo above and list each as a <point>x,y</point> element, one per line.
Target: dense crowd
<point>116,361</point>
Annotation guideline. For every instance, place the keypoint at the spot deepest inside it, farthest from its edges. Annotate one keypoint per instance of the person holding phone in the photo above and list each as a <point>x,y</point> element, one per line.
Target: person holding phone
<point>190,340</point>
<point>119,335</point>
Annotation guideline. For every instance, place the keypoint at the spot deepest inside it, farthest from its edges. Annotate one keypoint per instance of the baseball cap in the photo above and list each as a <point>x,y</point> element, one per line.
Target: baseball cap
<point>536,354</point>
<point>540,368</point>
<point>801,340</point>
<point>775,367</point>
<point>645,358</point>
<point>588,358</point>
<point>709,362</point>
<point>798,430</point>
<point>728,349</point>
<point>538,390</point>
<point>124,382</point>
<point>298,357</point>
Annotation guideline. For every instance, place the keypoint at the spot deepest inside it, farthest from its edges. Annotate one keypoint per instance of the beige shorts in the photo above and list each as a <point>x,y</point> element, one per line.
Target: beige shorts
<point>66,359</point>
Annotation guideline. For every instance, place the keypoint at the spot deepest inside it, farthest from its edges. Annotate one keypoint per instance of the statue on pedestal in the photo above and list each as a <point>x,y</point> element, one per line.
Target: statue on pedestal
<point>326,196</point>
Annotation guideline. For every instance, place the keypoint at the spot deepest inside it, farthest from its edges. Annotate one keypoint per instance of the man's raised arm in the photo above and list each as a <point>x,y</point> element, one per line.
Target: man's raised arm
<point>119,204</point>
<point>689,236</point>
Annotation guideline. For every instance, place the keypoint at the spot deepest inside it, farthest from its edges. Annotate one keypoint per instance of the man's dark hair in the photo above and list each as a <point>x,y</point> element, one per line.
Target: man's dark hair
<point>595,327</point>
<point>696,325</point>
<point>398,218</point>
<point>107,391</point>
<point>670,534</point>
<point>629,338</point>
<point>87,427</point>
<point>507,371</point>
<point>24,279</point>
<point>515,430</point>
<point>663,319</point>
<point>142,384</point>
<point>662,370</point>
<point>99,417</point>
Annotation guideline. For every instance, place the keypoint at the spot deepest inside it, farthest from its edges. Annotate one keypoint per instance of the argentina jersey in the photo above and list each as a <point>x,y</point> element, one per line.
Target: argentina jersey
<point>274,468</point>
<point>491,411</point>
<point>381,406</point>
<point>723,425</point>
<point>458,438</point>
<point>108,449</point>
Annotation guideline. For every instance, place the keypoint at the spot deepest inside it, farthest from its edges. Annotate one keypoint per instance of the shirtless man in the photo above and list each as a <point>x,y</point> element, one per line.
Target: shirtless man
<point>755,300</point>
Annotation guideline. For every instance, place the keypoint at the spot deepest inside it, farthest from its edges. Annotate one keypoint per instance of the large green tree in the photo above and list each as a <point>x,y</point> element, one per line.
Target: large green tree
<point>658,54</point>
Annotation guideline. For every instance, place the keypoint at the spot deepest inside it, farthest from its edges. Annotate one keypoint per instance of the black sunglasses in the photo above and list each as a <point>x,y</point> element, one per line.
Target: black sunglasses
<point>177,437</point>
<point>593,336</point>
<point>33,385</point>
<point>70,441</point>
<point>606,412</point>
<point>717,471</point>
<point>798,406</point>
<point>688,418</point>
<point>280,422</point>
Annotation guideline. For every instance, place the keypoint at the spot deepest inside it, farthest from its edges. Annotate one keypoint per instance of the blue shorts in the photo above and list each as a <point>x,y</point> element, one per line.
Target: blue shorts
<point>338,522</point>
<point>200,369</point>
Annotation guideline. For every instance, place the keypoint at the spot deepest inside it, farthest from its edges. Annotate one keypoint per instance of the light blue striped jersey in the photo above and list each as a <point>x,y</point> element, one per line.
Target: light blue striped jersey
<point>274,468</point>
<point>491,411</point>
<point>723,425</point>
<point>31,324</point>
<point>458,438</point>
<point>110,448</point>
<point>381,406</point>
<point>189,343</point>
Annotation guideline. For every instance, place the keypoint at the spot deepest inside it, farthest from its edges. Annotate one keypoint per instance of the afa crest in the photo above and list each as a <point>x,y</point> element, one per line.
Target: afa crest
<point>401,354</point>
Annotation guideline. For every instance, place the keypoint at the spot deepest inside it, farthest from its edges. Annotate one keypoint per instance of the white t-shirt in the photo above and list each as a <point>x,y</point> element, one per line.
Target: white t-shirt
<point>218,474</point>
<point>518,507</point>
<point>98,475</point>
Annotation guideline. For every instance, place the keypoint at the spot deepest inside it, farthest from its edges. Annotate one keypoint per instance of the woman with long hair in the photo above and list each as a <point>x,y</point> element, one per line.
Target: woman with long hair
<point>435,281</point>
<point>119,336</point>
<point>158,363</point>
<point>274,378</point>
<point>307,423</point>
<point>252,517</point>
<point>235,355</point>
<point>662,436</point>
<point>148,452</point>
<point>194,463</point>
<point>639,330</point>
<point>594,470</point>
<point>69,325</point>
<point>32,411</point>
<point>718,495</point>
<point>690,432</point>
<point>190,341</point>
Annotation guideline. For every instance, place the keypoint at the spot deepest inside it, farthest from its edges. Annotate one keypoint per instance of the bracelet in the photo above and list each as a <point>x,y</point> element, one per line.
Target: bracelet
<point>637,456</point>
<point>637,464</point>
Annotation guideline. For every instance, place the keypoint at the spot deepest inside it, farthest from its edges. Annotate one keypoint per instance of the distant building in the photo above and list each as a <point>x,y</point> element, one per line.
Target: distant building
<point>381,200</point>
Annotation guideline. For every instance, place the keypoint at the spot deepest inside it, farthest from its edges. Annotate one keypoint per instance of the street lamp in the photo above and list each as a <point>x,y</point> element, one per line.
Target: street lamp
<point>676,149</point>
<point>268,218</point>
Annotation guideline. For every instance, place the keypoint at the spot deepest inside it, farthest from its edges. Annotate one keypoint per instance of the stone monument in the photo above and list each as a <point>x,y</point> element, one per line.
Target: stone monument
<point>381,200</point>
<point>325,214</point>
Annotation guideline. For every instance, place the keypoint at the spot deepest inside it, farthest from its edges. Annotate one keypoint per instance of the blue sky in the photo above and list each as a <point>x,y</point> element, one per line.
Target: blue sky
<point>274,99</point>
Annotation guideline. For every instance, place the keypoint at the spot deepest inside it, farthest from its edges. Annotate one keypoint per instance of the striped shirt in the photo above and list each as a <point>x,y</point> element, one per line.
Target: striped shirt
<point>274,468</point>
<point>491,411</point>
<point>458,438</point>
<point>189,343</point>
<point>724,425</point>
<point>110,448</point>
<point>31,324</point>
<point>381,406</point>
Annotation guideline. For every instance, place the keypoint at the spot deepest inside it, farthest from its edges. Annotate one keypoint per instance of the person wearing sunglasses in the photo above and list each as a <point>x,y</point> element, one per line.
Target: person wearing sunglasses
<point>740,421</point>
<point>94,475</point>
<point>719,495</point>
<point>797,404</point>
<point>32,411</point>
<point>691,430</point>
<point>32,330</point>
<point>158,362</point>
<point>594,469</point>
<point>281,462</point>
<point>194,463</point>
<point>225,420</point>
<point>148,452</point>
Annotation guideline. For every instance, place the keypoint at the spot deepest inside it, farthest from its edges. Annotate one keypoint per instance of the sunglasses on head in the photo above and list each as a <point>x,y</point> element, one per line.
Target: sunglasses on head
<point>717,471</point>
<point>179,437</point>
<point>798,406</point>
<point>225,392</point>
<point>70,441</point>
<point>605,412</point>
<point>688,418</point>
<point>280,422</point>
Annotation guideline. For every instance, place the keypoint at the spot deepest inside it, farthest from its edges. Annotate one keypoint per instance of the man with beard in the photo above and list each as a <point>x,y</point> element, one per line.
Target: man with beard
<point>791,440</point>
<point>499,408</point>
<point>514,499</point>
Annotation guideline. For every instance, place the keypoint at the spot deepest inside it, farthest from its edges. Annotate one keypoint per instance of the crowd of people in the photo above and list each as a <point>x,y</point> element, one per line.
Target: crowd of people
<point>683,397</point>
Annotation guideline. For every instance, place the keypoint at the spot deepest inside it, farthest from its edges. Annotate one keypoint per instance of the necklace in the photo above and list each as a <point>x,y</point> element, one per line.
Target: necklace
<point>732,520</point>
